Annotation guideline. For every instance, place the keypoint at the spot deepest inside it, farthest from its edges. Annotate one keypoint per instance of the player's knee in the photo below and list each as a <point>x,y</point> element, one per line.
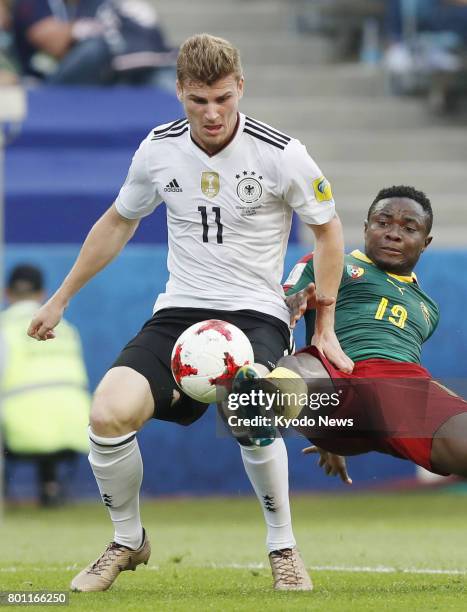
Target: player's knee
<point>110,415</point>
<point>457,451</point>
<point>300,365</point>
<point>449,455</point>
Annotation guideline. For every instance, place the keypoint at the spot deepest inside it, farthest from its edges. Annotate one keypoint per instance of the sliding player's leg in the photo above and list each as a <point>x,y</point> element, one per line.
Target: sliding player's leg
<point>294,376</point>
<point>449,447</point>
<point>305,365</point>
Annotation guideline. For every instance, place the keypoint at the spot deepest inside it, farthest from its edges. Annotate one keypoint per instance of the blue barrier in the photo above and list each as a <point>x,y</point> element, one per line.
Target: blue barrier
<point>193,460</point>
<point>71,157</point>
<point>94,117</point>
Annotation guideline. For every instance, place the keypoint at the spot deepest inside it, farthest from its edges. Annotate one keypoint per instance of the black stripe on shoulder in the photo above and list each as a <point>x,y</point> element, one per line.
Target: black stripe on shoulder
<point>269,129</point>
<point>274,143</point>
<point>169,127</point>
<point>172,134</point>
<point>278,139</point>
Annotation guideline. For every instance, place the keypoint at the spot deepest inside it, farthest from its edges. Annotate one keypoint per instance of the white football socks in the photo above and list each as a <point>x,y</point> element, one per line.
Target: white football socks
<point>267,469</point>
<point>118,469</point>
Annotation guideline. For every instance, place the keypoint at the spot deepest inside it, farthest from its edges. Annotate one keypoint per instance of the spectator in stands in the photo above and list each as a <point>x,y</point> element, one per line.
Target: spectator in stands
<point>5,15</point>
<point>45,399</point>
<point>7,69</point>
<point>92,42</point>
<point>411,49</point>
<point>429,15</point>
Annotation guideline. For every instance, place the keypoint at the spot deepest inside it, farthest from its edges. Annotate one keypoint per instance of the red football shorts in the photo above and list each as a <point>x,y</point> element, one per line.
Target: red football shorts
<point>396,408</point>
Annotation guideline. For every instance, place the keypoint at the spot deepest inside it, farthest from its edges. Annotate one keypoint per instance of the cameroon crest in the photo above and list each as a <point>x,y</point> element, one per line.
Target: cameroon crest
<point>355,271</point>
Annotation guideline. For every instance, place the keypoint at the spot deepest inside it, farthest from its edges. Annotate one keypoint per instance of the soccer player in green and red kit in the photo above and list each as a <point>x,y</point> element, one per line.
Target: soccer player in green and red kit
<point>382,319</point>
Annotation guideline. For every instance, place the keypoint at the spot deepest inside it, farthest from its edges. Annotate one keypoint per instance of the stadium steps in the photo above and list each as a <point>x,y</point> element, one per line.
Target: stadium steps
<point>420,144</point>
<point>436,176</point>
<point>285,48</point>
<point>291,80</point>
<point>336,113</point>
<point>217,15</point>
<point>246,23</point>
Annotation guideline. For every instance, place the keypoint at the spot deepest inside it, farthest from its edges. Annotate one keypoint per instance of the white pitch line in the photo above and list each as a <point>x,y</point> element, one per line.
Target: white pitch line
<point>379,569</point>
<point>388,570</point>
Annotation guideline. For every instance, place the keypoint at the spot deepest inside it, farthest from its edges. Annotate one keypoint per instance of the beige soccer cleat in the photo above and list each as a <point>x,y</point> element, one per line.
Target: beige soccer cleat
<point>116,558</point>
<point>288,571</point>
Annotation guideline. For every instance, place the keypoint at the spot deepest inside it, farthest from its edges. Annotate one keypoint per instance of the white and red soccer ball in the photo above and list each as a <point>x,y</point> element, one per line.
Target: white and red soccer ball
<point>208,354</point>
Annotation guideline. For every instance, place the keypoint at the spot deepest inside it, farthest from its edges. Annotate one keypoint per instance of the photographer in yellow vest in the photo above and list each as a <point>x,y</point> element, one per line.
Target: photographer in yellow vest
<point>44,388</point>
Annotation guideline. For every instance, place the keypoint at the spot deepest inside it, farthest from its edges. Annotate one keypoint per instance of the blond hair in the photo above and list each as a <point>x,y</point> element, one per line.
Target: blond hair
<point>206,59</point>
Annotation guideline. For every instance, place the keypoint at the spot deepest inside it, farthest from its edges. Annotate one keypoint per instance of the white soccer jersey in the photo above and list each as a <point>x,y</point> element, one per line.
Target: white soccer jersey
<point>228,215</point>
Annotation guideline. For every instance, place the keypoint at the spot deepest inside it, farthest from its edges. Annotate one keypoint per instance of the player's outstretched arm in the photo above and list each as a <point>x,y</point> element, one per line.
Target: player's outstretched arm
<point>328,261</point>
<point>105,240</point>
<point>333,465</point>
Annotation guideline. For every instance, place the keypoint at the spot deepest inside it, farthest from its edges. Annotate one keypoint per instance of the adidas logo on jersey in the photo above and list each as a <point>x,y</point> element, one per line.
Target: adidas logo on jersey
<point>173,186</point>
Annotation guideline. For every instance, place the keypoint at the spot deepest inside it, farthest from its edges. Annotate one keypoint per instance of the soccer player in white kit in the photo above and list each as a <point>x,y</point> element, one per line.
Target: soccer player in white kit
<point>230,184</point>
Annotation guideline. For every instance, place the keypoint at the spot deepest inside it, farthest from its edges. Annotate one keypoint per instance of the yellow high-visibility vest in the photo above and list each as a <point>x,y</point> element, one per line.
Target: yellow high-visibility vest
<point>45,400</point>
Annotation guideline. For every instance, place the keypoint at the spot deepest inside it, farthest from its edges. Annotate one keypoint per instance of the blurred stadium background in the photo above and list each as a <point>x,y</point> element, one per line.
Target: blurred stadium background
<point>324,84</point>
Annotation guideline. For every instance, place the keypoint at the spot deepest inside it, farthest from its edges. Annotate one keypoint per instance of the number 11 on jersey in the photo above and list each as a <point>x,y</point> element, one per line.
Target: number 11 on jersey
<point>204,220</point>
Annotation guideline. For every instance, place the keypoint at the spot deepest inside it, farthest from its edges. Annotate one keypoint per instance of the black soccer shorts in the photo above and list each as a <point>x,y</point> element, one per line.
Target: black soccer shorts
<point>149,353</point>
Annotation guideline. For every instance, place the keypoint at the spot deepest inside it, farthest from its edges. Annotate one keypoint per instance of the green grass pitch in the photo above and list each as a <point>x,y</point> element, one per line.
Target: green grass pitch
<point>366,552</point>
